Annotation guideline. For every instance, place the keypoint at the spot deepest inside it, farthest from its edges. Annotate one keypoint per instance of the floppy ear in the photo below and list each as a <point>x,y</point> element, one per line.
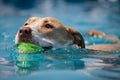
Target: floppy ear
<point>78,39</point>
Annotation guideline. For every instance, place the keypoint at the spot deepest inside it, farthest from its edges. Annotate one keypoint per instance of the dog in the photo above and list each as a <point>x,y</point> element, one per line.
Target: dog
<point>114,47</point>
<point>48,32</point>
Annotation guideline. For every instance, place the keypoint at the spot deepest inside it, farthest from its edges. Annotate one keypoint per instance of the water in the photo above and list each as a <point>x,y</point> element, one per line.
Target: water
<point>61,63</point>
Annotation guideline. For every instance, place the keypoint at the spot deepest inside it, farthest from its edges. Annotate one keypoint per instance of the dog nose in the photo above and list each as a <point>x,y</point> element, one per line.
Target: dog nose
<point>25,31</point>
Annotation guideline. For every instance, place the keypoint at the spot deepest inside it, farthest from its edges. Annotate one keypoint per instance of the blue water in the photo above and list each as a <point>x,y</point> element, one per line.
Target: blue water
<point>61,63</point>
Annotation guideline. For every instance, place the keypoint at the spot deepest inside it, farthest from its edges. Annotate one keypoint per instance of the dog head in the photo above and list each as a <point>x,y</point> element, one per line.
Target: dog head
<point>48,32</point>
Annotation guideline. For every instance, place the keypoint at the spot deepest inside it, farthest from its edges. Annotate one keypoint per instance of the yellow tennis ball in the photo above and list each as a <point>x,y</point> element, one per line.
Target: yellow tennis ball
<point>25,47</point>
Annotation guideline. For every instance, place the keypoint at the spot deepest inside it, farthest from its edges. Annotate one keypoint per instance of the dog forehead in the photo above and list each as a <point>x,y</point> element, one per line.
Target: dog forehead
<point>52,21</point>
<point>34,22</point>
<point>32,19</point>
<point>38,23</point>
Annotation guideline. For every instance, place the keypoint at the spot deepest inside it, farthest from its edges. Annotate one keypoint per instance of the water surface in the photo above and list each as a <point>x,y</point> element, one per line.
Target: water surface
<point>62,63</point>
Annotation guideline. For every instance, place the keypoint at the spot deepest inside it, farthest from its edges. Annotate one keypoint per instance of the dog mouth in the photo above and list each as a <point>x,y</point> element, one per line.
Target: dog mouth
<point>31,35</point>
<point>35,39</point>
<point>23,39</point>
<point>30,40</point>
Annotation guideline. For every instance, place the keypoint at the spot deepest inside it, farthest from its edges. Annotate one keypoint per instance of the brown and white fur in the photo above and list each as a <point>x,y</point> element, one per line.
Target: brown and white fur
<point>50,32</point>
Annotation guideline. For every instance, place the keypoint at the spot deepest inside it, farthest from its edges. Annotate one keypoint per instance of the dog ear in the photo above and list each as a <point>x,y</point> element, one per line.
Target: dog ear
<point>78,39</point>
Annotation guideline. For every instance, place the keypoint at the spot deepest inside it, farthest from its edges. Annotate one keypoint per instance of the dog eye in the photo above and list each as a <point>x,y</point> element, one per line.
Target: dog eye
<point>26,24</point>
<point>48,26</point>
